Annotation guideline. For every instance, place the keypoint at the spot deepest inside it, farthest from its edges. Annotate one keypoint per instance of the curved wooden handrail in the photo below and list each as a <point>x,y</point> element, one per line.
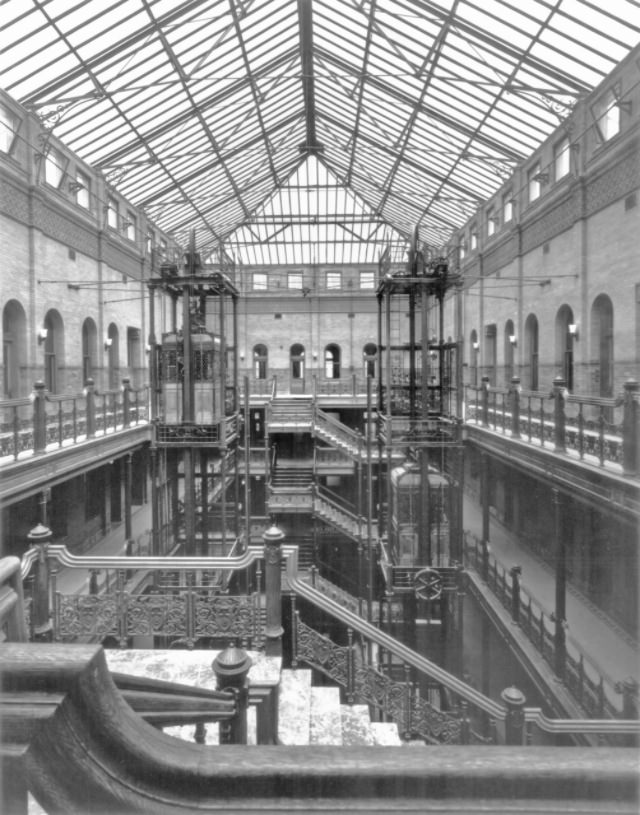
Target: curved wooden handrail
<point>70,736</point>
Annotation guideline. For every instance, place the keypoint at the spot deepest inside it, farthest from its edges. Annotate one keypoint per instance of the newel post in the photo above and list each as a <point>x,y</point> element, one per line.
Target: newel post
<point>273,538</point>
<point>559,395</point>
<point>90,394</point>
<point>39,537</point>
<point>514,701</point>
<point>630,419</point>
<point>485,401</point>
<point>39,397</point>
<point>231,668</point>
<point>126,401</point>
<point>514,391</point>
<point>515,573</point>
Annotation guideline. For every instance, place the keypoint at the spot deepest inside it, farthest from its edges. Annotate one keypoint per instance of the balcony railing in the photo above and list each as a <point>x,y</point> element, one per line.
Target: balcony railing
<point>595,691</point>
<point>593,429</point>
<point>44,422</point>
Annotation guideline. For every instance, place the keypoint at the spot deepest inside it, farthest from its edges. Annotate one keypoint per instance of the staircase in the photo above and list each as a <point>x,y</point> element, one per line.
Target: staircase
<point>340,518</point>
<point>290,478</point>
<point>311,714</point>
<point>290,414</point>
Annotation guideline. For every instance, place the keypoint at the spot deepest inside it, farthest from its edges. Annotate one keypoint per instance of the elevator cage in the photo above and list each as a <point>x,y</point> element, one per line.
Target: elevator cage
<point>208,405</point>
<point>415,507</point>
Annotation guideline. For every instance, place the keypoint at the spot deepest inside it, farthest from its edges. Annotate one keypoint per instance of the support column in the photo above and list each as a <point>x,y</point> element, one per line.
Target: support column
<point>561,588</point>
<point>485,498</point>
<point>155,508</point>
<point>127,463</point>
<point>204,502</point>
<point>106,504</point>
<point>273,538</point>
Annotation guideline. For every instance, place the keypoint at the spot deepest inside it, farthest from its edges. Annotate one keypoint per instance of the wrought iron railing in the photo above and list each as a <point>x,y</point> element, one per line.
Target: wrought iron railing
<point>44,422</point>
<point>603,430</point>
<point>591,686</point>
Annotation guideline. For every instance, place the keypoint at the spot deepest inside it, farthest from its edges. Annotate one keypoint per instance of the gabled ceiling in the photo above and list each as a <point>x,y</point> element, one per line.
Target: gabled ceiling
<point>204,112</point>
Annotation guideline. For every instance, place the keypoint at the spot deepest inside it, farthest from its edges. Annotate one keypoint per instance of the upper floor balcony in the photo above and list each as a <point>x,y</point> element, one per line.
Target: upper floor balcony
<point>43,425</point>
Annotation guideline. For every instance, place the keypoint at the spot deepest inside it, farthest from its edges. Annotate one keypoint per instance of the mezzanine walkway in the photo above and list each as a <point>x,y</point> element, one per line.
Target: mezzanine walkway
<point>594,634</point>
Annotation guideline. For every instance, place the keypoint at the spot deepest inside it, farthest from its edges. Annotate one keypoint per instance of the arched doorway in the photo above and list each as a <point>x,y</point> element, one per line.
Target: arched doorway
<point>14,348</point>
<point>53,351</point>
<point>474,355</point>
<point>531,351</point>
<point>260,361</point>
<point>113,356</point>
<point>370,355</point>
<point>564,345</point>
<point>332,361</point>
<point>89,349</point>
<point>508,346</point>
<point>296,363</point>
<point>602,343</point>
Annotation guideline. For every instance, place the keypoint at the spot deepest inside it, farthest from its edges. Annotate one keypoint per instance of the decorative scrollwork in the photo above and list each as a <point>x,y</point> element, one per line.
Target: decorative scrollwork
<point>428,584</point>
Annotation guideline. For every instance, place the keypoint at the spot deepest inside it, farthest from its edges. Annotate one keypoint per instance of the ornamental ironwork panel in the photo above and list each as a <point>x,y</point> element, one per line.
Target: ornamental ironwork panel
<point>86,616</point>
<point>377,689</point>
<point>429,722</point>
<point>321,653</point>
<point>156,614</point>
<point>223,616</point>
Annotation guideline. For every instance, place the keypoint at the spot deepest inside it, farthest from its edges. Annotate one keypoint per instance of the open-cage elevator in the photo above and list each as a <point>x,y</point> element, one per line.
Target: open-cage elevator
<point>195,410</point>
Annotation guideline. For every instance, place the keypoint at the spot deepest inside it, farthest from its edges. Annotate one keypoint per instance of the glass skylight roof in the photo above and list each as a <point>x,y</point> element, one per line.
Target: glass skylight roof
<point>294,131</point>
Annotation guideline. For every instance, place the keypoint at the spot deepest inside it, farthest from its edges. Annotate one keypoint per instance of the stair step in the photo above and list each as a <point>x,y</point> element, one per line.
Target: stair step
<point>356,725</point>
<point>326,718</point>
<point>386,734</point>
<point>294,707</point>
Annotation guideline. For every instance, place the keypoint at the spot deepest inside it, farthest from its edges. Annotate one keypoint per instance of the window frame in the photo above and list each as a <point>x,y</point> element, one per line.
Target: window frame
<point>53,172</point>
<point>261,285</point>
<point>364,277</point>
<point>293,278</point>
<point>561,158</point>
<point>534,186</point>
<point>333,280</point>
<point>9,129</point>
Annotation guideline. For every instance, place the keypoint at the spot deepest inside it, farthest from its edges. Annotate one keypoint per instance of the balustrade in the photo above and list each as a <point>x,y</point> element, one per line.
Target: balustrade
<point>590,686</point>
<point>44,422</point>
<point>606,430</point>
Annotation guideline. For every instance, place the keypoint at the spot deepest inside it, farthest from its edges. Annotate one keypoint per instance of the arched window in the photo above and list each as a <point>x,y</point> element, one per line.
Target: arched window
<point>89,349</point>
<point>564,345</point>
<point>14,347</point>
<point>370,354</point>
<point>602,343</point>
<point>508,345</point>
<point>474,355</point>
<point>491,351</point>
<point>113,356</point>
<point>531,351</point>
<point>53,351</point>
<point>260,360</point>
<point>297,361</point>
<point>332,361</point>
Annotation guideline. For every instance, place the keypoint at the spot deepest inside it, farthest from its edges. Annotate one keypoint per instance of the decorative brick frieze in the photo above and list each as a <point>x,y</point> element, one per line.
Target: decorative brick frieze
<point>552,220</point>
<point>616,182</point>
<point>14,200</point>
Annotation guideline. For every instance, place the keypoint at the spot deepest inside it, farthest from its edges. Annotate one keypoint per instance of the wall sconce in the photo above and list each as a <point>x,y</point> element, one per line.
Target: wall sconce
<point>241,356</point>
<point>147,348</point>
<point>573,330</point>
<point>315,355</point>
<point>476,345</point>
<point>42,335</point>
<point>513,339</point>
<point>108,343</point>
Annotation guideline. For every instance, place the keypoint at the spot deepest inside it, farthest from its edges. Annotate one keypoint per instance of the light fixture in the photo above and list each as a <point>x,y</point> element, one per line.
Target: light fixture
<point>315,355</point>
<point>513,339</point>
<point>241,356</point>
<point>476,345</point>
<point>42,335</point>
<point>573,330</point>
<point>108,343</point>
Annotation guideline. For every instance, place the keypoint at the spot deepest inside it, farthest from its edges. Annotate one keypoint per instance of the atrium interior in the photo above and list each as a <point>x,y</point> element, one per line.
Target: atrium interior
<point>320,424</point>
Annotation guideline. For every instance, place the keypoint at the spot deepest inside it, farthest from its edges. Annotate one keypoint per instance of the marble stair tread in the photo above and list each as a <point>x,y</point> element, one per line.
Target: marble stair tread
<point>356,725</point>
<point>326,718</point>
<point>294,707</point>
<point>385,734</point>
